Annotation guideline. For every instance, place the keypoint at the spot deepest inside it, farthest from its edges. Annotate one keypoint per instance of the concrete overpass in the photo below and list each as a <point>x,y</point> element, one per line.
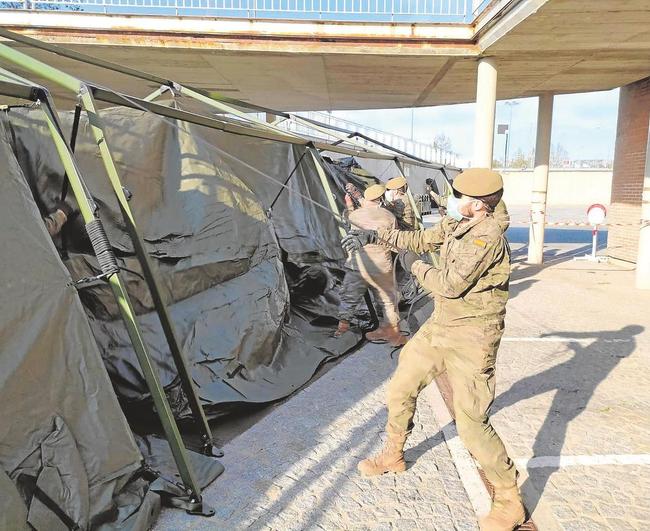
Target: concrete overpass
<point>541,46</point>
<point>514,48</point>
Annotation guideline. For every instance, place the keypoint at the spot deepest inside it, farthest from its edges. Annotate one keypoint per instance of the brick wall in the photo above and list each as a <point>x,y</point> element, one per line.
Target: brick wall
<point>629,169</point>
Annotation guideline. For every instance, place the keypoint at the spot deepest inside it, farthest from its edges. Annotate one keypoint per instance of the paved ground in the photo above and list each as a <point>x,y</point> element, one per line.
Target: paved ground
<point>572,405</point>
<point>296,468</point>
<point>572,392</point>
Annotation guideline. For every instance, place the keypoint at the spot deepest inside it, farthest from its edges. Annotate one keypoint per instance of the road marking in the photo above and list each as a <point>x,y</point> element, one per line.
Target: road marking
<point>465,464</point>
<point>562,461</point>
<point>561,339</point>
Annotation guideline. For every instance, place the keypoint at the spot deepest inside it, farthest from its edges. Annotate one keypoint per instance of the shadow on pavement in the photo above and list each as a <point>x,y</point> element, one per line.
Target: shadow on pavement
<point>579,241</point>
<point>519,278</point>
<point>574,382</point>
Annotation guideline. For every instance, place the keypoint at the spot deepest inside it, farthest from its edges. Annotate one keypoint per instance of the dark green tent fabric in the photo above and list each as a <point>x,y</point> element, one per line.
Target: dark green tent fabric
<point>63,436</point>
<point>201,204</point>
<point>67,455</point>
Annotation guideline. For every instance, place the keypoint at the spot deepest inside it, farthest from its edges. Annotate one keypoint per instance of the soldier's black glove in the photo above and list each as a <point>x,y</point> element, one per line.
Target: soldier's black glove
<point>357,238</point>
<point>408,258</point>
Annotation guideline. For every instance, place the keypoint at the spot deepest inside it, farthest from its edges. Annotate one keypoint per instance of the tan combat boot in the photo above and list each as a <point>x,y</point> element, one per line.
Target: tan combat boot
<point>344,326</point>
<point>390,459</point>
<point>507,511</point>
<point>388,333</point>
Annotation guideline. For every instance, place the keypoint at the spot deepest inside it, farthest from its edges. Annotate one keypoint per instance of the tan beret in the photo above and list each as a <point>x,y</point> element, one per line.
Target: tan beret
<point>374,191</point>
<point>396,183</point>
<point>478,182</point>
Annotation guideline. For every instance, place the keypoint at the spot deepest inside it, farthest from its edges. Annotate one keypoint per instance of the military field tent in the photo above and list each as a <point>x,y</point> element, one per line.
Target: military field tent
<point>245,248</point>
<point>201,199</point>
<point>67,455</point>
<point>417,174</point>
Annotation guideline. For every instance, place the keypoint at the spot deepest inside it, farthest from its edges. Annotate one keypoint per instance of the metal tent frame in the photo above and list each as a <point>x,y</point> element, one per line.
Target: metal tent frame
<point>15,86</point>
<point>228,118</point>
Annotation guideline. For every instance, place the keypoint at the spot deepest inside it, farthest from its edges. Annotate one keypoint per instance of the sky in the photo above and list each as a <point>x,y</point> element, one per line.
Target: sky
<point>584,124</point>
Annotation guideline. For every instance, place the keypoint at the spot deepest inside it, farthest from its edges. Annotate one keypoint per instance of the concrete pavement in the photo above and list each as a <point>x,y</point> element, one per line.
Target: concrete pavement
<point>572,397</point>
<point>572,403</point>
<point>296,468</point>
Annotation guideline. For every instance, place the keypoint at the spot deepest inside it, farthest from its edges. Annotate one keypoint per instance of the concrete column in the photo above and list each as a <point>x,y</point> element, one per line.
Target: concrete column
<point>270,118</point>
<point>486,102</point>
<point>540,180</point>
<point>643,260</point>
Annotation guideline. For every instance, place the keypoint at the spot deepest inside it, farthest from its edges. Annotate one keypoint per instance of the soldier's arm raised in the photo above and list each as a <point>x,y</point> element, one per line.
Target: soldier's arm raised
<point>460,274</point>
<point>418,241</point>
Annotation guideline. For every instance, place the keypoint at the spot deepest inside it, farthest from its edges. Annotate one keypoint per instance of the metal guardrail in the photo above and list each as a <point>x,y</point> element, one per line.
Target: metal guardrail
<point>429,152</point>
<point>353,10</point>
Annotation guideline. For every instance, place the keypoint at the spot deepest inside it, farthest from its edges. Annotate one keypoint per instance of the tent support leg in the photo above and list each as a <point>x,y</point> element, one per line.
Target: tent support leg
<point>182,367</point>
<point>418,216</point>
<point>87,209</point>
<point>87,101</point>
<point>337,215</point>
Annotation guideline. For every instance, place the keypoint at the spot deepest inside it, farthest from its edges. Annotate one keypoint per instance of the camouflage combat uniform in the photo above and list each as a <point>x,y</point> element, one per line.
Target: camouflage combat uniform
<point>463,334</point>
<point>403,211</point>
<point>370,267</point>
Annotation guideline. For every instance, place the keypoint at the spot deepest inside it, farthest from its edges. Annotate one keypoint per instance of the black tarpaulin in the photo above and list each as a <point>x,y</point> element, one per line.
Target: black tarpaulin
<point>201,200</point>
<point>66,450</point>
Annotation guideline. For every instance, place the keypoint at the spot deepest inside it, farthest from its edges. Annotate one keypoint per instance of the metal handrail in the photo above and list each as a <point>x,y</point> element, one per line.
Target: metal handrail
<point>429,152</point>
<point>352,10</point>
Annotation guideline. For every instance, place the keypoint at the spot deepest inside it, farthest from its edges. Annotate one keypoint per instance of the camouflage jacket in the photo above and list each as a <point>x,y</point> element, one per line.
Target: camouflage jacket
<point>471,286</point>
<point>403,211</point>
<point>372,259</point>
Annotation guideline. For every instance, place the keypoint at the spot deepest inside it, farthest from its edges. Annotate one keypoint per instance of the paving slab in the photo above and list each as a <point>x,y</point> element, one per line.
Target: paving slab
<point>572,406</point>
<point>296,468</point>
<point>572,396</point>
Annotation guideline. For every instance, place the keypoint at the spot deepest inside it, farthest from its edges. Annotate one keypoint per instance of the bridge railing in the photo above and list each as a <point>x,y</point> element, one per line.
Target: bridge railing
<point>429,152</point>
<point>353,10</point>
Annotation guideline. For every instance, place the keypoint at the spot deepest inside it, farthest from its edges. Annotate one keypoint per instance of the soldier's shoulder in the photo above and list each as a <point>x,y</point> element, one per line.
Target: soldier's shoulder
<point>489,230</point>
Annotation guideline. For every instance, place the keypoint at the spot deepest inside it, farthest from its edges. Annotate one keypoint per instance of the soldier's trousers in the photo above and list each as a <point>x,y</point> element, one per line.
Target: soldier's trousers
<point>468,354</point>
<point>355,284</point>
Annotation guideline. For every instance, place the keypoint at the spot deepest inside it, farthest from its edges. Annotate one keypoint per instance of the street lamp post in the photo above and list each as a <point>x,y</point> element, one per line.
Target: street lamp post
<point>511,104</point>
<point>504,129</point>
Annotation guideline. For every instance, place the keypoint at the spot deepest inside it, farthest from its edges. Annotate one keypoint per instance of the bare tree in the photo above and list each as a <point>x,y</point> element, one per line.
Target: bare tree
<point>442,141</point>
<point>520,160</point>
<point>559,155</point>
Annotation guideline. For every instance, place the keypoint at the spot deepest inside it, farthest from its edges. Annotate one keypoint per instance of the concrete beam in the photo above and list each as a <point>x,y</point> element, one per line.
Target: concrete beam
<point>440,74</point>
<point>288,36</point>
<point>540,179</point>
<point>486,101</point>
<point>488,32</point>
<point>540,45</point>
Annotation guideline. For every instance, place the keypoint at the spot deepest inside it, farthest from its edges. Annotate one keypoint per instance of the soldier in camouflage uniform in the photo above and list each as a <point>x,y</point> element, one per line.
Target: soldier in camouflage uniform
<point>398,203</point>
<point>371,266</point>
<point>461,337</point>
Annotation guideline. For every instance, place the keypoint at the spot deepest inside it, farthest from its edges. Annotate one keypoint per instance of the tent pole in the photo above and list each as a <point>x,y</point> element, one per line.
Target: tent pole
<point>170,427</point>
<point>157,93</point>
<point>87,101</point>
<point>180,362</point>
<point>418,216</point>
<point>318,162</point>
